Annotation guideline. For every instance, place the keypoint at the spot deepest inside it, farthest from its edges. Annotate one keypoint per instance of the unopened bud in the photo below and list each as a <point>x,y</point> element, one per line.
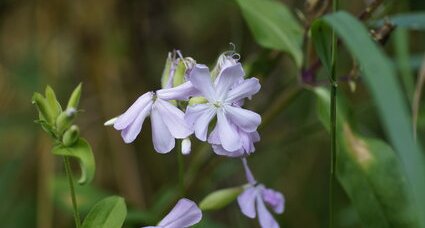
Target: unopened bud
<point>44,109</point>
<point>197,100</point>
<point>166,72</point>
<point>65,119</point>
<point>220,198</point>
<point>186,146</point>
<point>53,102</point>
<point>71,135</point>
<point>74,99</point>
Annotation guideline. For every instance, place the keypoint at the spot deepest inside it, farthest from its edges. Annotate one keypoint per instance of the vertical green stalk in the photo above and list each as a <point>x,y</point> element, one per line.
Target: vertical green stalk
<point>333,121</point>
<point>72,191</point>
<point>181,173</point>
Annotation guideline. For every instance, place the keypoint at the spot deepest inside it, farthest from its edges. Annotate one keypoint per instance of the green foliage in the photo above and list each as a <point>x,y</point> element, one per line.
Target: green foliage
<point>274,26</point>
<point>370,173</point>
<point>380,77</point>
<point>415,21</point>
<point>108,213</point>
<point>220,198</point>
<point>81,150</point>
<point>74,99</point>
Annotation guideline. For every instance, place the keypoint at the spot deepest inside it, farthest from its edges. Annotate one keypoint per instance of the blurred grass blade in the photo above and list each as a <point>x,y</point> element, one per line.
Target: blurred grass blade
<point>109,212</point>
<point>274,26</point>
<point>401,47</point>
<point>370,173</point>
<point>380,77</point>
<point>415,21</point>
<point>321,36</point>
<point>82,151</point>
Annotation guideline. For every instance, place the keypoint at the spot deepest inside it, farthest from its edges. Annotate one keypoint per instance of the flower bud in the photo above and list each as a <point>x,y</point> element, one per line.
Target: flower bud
<point>53,102</point>
<point>45,112</point>
<point>74,99</point>
<point>71,135</point>
<point>166,72</point>
<point>186,146</point>
<point>224,60</point>
<point>65,119</point>
<point>220,198</point>
<point>197,100</point>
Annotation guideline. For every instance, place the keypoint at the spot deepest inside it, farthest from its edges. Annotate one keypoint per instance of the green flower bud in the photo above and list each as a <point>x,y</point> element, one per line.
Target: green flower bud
<point>71,135</point>
<point>45,112</point>
<point>219,199</point>
<point>197,100</point>
<point>166,72</point>
<point>179,73</point>
<point>65,119</point>
<point>74,99</point>
<point>53,102</point>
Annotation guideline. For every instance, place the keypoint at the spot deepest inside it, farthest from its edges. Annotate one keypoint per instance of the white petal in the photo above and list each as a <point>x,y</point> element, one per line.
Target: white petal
<point>131,114</point>
<point>185,214</point>
<point>247,88</point>
<point>173,118</point>
<point>181,92</point>
<point>245,119</point>
<point>130,133</point>
<point>199,116</point>
<point>227,78</point>
<point>246,201</point>
<point>228,135</point>
<point>264,216</point>
<point>163,141</point>
<point>201,80</point>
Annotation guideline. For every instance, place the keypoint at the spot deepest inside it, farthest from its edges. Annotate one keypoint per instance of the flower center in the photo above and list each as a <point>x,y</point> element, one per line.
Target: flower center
<point>217,104</point>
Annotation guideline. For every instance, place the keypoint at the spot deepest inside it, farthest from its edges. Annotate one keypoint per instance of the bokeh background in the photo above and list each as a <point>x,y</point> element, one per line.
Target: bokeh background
<point>117,49</point>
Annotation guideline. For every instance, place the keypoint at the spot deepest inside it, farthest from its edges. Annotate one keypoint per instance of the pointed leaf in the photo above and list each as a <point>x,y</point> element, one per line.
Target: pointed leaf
<point>109,212</point>
<point>274,26</point>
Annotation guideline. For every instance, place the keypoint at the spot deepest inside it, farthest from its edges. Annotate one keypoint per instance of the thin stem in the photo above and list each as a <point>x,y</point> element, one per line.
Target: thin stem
<point>180,161</point>
<point>333,121</point>
<point>72,190</point>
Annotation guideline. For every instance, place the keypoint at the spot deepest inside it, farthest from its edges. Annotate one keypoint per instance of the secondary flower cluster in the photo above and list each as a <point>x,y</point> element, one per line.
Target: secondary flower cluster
<point>212,95</point>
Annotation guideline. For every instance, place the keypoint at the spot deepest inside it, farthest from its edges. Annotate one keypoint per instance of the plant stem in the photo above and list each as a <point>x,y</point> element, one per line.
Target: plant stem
<point>333,122</point>
<point>72,191</point>
<point>181,173</point>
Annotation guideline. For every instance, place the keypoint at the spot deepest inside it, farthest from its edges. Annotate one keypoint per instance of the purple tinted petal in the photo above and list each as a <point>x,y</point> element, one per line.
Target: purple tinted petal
<point>228,136</point>
<point>181,92</point>
<point>163,141</point>
<point>245,119</point>
<point>249,177</point>
<point>219,150</point>
<point>247,88</point>
<point>186,213</point>
<point>264,216</point>
<point>173,118</point>
<point>130,133</point>
<point>214,138</point>
<point>131,114</point>
<point>274,199</point>
<point>227,78</point>
<point>246,201</point>
<point>201,80</point>
<point>199,116</point>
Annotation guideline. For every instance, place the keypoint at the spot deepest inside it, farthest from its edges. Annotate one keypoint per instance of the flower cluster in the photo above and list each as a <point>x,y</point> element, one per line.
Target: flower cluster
<point>217,95</point>
<point>209,105</point>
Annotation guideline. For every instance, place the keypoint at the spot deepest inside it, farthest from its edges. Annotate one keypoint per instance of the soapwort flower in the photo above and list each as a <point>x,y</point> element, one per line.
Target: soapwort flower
<point>235,125</point>
<point>255,197</point>
<point>166,119</point>
<point>185,214</point>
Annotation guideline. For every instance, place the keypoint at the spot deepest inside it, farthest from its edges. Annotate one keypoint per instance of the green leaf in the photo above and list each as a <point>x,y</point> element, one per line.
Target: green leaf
<point>369,171</point>
<point>82,151</point>
<point>74,99</point>
<point>274,26</point>
<point>379,75</point>
<point>321,36</point>
<point>219,199</point>
<point>415,21</point>
<point>107,213</point>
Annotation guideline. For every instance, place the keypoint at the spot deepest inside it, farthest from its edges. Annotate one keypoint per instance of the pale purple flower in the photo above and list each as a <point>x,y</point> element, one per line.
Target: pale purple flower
<point>255,197</point>
<point>167,120</point>
<point>185,214</point>
<point>228,89</point>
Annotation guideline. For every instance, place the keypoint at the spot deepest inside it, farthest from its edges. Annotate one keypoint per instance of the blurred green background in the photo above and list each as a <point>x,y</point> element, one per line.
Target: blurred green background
<point>118,50</point>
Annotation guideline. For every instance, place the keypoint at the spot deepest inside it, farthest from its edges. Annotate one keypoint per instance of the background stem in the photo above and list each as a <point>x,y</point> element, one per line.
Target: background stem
<point>180,161</point>
<point>333,121</point>
<point>72,191</point>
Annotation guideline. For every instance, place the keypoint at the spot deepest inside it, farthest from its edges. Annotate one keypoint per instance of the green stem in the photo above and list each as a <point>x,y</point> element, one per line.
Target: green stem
<point>180,161</point>
<point>72,190</point>
<point>333,122</point>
